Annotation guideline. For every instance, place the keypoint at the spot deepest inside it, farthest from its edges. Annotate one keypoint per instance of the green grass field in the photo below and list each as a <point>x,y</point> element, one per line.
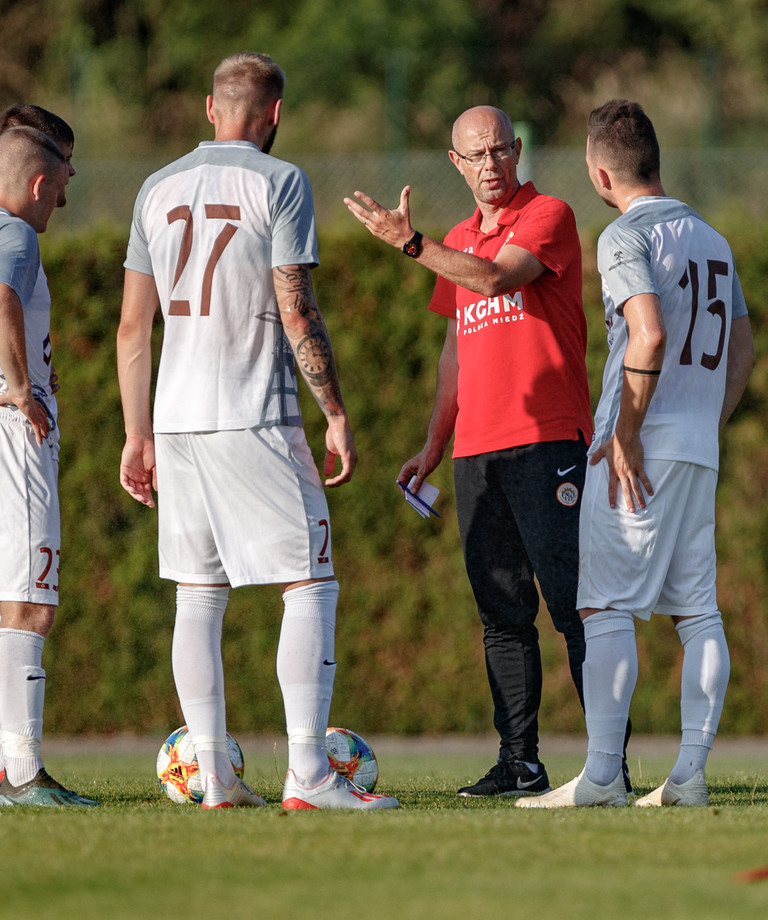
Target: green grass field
<point>437,857</point>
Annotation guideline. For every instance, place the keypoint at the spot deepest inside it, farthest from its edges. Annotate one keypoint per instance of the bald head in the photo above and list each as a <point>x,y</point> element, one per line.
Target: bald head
<point>479,120</point>
<point>486,154</point>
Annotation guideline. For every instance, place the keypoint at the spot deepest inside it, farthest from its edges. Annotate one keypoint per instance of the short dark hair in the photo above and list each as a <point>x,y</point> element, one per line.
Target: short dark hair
<point>21,115</point>
<point>624,135</point>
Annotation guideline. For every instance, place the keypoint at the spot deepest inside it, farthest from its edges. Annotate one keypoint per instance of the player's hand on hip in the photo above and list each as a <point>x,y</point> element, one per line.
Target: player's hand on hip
<point>138,475</point>
<point>34,411</point>
<point>626,470</point>
<point>394,227</point>
<point>339,443</point>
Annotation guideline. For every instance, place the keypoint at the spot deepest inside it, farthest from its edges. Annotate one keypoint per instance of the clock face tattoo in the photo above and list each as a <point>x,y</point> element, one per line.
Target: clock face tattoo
<point>315,355</point>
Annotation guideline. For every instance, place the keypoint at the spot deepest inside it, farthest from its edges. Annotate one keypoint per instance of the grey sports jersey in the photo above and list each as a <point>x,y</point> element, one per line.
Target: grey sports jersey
<point>663,247</point>
<point>20,269</point>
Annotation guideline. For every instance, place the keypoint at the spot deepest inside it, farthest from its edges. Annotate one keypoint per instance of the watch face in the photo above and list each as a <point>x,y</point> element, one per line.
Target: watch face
<point>413,246</point>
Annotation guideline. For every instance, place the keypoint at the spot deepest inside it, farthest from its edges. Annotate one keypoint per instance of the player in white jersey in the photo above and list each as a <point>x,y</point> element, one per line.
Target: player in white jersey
<point>680,356</point>
<point>224,241</point>
<point>33,176</point>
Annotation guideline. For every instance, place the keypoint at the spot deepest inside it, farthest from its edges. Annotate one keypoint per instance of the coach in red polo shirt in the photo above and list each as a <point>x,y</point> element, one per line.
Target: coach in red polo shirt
<point>512,387</point>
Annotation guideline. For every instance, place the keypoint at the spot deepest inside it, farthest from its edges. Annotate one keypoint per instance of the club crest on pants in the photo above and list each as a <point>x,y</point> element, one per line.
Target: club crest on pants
<point>567,494</point>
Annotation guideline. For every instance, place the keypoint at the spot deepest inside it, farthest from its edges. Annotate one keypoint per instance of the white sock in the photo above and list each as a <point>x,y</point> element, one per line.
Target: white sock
<point>694,751</point>
<point>610,675</point>
<point>199,675</point>
<point>706,669</point>
<point>22,696</point>
<point>306,669</point>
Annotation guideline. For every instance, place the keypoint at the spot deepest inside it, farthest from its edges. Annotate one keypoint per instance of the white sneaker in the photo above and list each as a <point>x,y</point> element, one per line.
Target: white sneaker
<point>217,795</point>
<point>335,791</point>
<point>579,792</point>
<point>691,792</point>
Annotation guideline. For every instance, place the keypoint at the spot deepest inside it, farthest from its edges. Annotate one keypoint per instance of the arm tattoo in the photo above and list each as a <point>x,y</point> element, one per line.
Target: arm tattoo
<point>308,335</point>
<point>296,284</point>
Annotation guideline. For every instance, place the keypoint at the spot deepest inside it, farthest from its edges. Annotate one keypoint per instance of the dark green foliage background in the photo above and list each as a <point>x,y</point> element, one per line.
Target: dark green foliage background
<point>408,638</point>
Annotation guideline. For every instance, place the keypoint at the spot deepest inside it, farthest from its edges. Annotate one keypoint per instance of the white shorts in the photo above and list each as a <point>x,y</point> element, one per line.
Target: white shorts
<point>658,560</point>
<point>30,520</point>
<point>245,507</point>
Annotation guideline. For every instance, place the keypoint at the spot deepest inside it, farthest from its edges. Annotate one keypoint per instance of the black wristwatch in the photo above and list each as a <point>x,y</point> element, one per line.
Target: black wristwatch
<point>413,247</point>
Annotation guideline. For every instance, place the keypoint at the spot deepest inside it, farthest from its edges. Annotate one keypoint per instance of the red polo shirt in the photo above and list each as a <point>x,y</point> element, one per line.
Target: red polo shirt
<point>522,367</point>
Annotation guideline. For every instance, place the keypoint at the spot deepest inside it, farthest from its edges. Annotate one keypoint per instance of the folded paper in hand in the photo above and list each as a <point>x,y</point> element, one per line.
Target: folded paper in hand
<point>422,500</point>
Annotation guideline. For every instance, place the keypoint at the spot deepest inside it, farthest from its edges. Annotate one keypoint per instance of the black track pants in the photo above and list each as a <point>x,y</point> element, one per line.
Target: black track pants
<point>518,512</point>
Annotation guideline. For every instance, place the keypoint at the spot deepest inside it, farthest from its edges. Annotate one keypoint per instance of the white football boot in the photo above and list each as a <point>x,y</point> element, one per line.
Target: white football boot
<point>691,792</point>
<point>335,791</point>
<point>239,794</point>
<point>578,793</point>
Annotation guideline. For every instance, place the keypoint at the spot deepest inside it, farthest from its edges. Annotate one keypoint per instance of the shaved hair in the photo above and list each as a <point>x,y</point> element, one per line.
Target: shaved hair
<point>26,153</point>
<point>622,135</point>
<point>247,83</point>
<point>33,116</point>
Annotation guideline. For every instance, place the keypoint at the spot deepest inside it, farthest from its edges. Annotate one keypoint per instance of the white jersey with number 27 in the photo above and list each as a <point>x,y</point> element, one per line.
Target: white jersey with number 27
<point>663,247</point>
<point>210,227</point>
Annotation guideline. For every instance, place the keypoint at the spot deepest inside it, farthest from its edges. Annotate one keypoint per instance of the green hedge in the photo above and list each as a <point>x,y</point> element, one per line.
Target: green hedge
<point>408,638</point>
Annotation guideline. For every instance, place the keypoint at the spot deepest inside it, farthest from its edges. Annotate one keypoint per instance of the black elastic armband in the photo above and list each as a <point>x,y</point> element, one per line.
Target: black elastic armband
<point>639,370</point>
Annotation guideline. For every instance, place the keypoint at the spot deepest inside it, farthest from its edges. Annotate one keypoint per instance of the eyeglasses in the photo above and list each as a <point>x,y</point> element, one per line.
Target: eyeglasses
<point>498,154</point>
